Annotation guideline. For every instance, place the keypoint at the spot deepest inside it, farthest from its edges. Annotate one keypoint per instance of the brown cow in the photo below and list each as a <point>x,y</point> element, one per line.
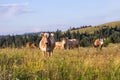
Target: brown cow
<point>98,43</point>
<point>30,45</point>
<point>70,43</point>
<point>47,44</point>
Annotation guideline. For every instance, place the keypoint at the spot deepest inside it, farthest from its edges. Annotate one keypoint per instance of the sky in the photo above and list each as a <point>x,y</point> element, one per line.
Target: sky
<point>24,16</point>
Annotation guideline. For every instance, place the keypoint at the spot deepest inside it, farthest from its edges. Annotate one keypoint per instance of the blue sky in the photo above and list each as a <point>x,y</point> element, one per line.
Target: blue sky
<point>24,16</point>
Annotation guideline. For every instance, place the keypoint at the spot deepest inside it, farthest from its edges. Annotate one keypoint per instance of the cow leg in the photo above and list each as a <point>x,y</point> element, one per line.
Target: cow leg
<point>45,54</point>
<point>48,54</point>
<point>98,47</point>
<point>101,47</point>
<point>51,53</point>
<point>77,47</point>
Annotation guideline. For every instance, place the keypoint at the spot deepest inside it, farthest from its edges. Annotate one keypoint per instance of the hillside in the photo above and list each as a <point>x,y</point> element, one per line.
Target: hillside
<point>98,27</point>
<point>112,24</point>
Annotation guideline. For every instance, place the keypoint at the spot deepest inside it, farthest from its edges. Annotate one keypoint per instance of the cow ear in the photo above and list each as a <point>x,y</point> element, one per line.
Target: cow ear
<point>52,34</point>
<point>41,34</point>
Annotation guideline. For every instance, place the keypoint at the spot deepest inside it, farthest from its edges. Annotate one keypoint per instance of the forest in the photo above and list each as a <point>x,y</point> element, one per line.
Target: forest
<point>111,34</point>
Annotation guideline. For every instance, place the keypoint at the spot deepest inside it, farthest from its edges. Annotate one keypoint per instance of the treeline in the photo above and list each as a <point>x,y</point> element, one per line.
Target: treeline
<point>18,41</point>
<point>112,35</point>
<point>76,28</point>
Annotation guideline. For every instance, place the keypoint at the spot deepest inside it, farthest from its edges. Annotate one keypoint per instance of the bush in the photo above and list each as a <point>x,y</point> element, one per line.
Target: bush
<point>106,42</point>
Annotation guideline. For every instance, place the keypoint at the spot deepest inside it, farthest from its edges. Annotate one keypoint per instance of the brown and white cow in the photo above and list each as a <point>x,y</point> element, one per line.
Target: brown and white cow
<point>98,43</point>
<point>70,43</point>
<point>30,45</point>
<point>47,44</point>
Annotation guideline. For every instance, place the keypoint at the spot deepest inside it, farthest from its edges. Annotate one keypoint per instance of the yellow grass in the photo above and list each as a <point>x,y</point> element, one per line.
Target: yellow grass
<point>83,64</point>
<point>112,24</point>
<point>92,29</point>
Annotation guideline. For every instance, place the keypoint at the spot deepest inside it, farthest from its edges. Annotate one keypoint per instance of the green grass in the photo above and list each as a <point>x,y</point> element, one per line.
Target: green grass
<point>83,64</point>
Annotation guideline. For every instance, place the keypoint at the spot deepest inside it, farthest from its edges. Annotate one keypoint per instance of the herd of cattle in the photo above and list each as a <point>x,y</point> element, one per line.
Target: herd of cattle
<point>47,44</point>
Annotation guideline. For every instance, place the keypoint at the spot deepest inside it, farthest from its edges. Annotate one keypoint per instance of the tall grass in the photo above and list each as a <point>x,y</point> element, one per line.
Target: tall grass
<point>83,64</point>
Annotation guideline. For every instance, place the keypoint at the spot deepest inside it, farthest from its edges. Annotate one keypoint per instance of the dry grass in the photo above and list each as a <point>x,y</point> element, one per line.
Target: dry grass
<point>83,64</point>
<point>112,24</point>
<point>92,29</point>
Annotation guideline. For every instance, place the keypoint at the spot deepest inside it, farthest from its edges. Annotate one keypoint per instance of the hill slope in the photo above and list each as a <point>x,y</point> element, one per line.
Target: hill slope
<point>112,24</point>
<point>98,27</point>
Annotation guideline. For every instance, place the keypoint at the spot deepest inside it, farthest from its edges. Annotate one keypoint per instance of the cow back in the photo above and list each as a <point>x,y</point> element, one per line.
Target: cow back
<point>71,43</point>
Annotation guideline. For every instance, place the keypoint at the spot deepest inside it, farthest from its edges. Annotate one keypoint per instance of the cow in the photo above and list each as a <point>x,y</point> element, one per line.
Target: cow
<point>30,45</point>
<point>47,44</point>
<point>98,43</point>
<point>70,43</point>
<point>59,45</point>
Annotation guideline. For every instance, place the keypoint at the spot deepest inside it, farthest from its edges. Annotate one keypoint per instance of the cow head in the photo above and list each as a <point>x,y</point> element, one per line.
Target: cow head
<point>64,42</point>
<point>46,40</point>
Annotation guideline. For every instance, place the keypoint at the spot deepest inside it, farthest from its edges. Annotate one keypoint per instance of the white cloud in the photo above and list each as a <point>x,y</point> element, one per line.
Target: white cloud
<point>8,10</point>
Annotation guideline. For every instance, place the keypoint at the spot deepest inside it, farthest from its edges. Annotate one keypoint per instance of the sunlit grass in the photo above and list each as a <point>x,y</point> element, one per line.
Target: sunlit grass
<point>83,64</point>
<point>92,29</point>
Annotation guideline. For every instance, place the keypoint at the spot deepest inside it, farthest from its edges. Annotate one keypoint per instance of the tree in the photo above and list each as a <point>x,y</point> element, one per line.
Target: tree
<point>115,37</point>
<point>85,42</point>
<point>68,34</point>
<point>58,35</point>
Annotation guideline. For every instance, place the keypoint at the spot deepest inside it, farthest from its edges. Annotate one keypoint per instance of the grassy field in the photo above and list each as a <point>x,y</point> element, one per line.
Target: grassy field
<point>83,64</point>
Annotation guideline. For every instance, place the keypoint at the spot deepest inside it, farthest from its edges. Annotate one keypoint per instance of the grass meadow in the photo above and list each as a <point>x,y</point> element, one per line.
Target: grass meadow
<point>83,64</point>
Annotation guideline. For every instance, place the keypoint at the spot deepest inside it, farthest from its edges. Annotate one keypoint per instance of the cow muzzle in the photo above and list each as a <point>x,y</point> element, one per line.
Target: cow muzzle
<point>46,43</point>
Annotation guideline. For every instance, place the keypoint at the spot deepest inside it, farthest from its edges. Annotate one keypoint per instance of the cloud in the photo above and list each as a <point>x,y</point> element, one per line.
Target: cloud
<point>8,10</point>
